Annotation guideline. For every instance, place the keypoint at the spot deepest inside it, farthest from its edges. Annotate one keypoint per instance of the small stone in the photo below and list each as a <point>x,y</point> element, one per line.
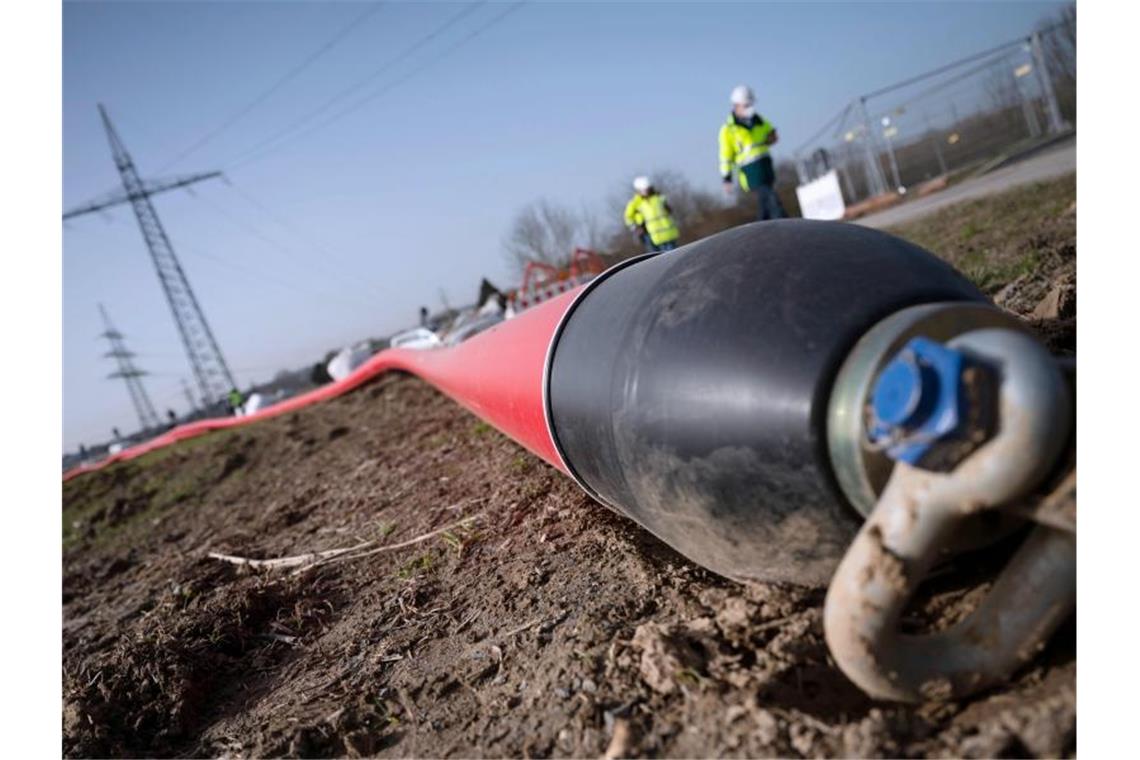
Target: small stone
<point>621,740</point>
<point>767,727</point>
<point>1057,303</point>
<point>663,656</point>
<point>735,713</point>
<point>802,739</point>
<point>734,616</point>
<point>358,744</point>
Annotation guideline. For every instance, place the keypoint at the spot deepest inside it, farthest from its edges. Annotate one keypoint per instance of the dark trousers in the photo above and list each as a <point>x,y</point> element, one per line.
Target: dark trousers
<point>769,203</point>
<point>761,176</point>
<point>651,247</point>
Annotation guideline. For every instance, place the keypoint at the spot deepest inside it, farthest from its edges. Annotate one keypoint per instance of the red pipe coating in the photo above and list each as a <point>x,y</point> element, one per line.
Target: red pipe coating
<point>497,375</point>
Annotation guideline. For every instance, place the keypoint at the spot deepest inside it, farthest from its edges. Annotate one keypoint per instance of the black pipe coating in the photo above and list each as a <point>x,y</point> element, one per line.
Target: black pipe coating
<point>688,390</point>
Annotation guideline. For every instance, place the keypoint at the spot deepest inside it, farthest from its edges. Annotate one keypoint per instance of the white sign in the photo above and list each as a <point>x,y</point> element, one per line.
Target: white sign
<point>821,198</point>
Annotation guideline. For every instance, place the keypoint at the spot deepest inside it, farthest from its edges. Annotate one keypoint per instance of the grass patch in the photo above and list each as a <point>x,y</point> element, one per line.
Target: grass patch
<point>424,563</point>
<point>969,230</point>
<point>997,239</point>
<point>109,503</point>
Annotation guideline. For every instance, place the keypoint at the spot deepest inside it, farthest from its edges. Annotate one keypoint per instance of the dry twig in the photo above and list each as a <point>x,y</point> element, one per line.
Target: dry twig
<point>308,561</point>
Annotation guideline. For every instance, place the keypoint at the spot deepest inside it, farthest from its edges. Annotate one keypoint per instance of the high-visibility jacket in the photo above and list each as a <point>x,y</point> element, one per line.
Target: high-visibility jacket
<point>742,144</point>
<point>652,213</point>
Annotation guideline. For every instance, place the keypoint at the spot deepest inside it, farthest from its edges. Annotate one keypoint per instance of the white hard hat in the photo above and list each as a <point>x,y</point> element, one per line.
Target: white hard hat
<point>742,95</point>
<point>641,184</point>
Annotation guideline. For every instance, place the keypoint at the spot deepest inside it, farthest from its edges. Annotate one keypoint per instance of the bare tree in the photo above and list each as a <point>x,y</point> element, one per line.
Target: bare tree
<point>546,232</point>
<point>1060,43</point>
<point>689,204</point>
<point>1005,112</point>
<point>1059,46</point>
<point>593,229</point>
<point>1001,87</point>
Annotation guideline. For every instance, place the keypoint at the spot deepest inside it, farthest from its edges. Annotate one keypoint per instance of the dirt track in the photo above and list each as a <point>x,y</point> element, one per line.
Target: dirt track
<point>543,625</point>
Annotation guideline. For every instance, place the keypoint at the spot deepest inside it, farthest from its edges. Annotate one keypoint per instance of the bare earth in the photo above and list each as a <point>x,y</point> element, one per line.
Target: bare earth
<point>535,624</point>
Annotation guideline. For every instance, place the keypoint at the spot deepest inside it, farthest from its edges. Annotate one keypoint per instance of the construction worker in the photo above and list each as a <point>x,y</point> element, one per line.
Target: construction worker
<point>648,216</point>
<point>235,400</point>
<point>744,142</point>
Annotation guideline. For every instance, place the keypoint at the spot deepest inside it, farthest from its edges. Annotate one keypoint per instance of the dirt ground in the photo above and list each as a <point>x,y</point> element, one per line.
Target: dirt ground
<point>505,613</point>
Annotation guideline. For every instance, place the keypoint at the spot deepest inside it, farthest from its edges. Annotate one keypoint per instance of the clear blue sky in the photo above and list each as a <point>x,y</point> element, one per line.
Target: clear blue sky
<point>412,192</point>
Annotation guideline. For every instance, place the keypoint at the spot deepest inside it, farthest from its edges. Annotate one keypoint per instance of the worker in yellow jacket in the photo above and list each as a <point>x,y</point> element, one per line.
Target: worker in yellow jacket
<point>744,142</point>
<point>648,216</point>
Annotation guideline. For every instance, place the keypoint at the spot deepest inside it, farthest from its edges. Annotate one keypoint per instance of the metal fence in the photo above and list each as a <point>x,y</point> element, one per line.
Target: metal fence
<point>953,119</point>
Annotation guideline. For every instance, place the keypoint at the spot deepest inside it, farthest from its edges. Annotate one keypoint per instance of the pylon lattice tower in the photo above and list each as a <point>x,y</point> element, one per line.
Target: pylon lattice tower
<point>206,361</point>
<point>192,405</point>
<point>130,374</point>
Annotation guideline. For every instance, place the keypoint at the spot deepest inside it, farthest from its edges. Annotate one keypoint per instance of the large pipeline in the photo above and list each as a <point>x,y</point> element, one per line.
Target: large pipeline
<point>751,398</point>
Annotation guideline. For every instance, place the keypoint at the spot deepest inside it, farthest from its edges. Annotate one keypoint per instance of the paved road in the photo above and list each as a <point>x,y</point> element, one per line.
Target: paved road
<point>1051,163</point>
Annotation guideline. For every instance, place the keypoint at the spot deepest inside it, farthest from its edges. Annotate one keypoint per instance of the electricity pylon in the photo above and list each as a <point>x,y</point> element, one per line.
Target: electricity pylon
<point>206,360</point>
<point>130,374</point>
<point>191,403</point>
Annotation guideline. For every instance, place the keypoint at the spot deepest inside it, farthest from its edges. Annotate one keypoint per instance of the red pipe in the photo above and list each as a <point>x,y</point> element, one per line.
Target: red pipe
<point>497,375</point>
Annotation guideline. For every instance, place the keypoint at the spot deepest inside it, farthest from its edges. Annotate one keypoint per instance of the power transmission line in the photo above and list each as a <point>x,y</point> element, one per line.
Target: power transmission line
<point>198,339</point>
<point>387,88</point>
<point>285,223</point>
<point>290,75</point>
<point>282,138</point>
<point>368,79</point>
<point>129,373</point>
<point>426,65</point>
<point>327,272</point>
<point>258,276</point>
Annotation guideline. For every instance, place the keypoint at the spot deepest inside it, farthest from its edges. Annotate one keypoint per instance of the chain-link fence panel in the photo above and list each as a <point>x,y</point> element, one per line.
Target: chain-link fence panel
<point>921,133</point>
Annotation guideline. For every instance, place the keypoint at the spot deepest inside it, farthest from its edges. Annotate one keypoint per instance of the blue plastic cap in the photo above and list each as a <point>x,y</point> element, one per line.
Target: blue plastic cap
<point>898,391</point>
<point>916,399</point>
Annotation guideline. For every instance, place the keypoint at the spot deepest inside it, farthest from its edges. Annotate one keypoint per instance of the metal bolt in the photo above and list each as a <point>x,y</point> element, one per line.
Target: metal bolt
<point>917,400</point>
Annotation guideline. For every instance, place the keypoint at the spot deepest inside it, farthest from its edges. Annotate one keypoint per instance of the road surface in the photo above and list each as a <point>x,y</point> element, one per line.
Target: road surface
<point>1054,162</point>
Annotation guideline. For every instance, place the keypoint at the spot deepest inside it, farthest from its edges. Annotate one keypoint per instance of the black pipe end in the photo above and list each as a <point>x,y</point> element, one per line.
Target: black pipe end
<point>689,390</point>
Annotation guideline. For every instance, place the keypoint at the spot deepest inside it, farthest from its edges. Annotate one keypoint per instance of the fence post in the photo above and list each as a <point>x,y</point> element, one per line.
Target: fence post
<point>875,179</point>
<point>801,175</point>
<point>1027,109</point>
<point>1052,109</point>
<point>936,140</point>
<point>893,161</point>
<point>848,185</point>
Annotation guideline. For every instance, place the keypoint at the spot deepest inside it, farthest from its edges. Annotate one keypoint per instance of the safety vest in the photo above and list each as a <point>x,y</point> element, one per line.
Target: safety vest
<point>742,145</point>
<point>650,211</point>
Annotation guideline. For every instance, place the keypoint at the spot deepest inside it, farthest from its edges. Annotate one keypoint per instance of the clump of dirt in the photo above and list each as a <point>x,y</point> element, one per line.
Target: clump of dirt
<point>516,617</point>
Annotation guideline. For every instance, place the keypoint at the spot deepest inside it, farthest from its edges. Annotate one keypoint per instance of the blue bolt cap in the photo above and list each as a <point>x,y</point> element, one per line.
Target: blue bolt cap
<point>898,391</point>
<point>916,400</point>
